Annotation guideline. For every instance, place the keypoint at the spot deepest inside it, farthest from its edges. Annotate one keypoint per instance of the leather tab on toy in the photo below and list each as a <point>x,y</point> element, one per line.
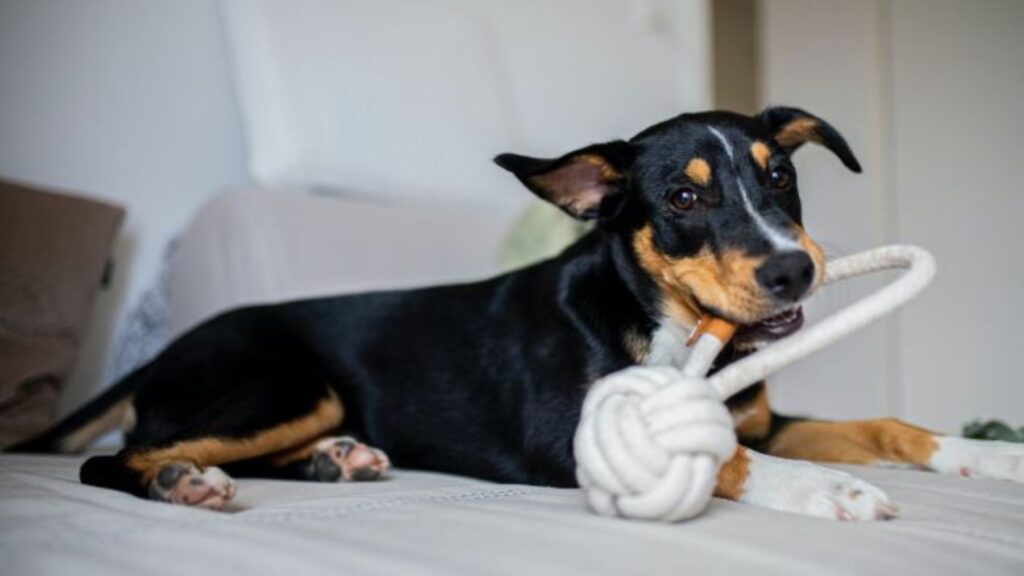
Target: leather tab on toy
<point>721,329</point>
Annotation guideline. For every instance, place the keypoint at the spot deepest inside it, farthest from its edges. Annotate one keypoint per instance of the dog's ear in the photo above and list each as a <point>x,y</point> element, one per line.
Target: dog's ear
<point>583,182</point>
<point>791,127</point>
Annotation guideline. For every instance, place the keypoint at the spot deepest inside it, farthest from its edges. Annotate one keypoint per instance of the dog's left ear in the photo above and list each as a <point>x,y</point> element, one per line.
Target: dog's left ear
<point>584,183</point>
<point>792,127</point>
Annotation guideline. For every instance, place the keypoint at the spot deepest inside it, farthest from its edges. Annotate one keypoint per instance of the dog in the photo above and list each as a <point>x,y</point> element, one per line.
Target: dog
<point>697,215</point>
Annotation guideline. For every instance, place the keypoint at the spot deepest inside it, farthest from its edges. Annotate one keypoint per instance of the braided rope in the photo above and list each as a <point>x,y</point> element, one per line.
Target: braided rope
<point>651,440</point>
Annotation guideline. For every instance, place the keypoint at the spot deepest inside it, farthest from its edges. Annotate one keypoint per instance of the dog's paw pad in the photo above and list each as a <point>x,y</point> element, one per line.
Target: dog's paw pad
<point>854,500</point>
<point>979,458</point>
<point>344,458</point>
<point>183,483</point>
<point>813,490</point>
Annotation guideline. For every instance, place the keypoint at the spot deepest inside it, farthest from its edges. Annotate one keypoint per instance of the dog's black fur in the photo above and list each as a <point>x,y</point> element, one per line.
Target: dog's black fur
<point>484,379</point>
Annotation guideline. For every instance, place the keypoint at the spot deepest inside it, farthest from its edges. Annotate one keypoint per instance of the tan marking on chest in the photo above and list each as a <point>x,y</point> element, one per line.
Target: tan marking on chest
<point>637,345</point>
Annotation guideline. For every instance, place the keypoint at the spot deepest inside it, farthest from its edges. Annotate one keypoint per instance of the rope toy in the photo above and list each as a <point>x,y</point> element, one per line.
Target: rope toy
<point>651,440</point>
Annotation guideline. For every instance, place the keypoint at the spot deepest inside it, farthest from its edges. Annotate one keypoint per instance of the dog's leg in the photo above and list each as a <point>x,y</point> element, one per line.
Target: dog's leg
<point>329,459</point>
<point>892,442</point>
<point>801,488</point>
<point>183,469</point>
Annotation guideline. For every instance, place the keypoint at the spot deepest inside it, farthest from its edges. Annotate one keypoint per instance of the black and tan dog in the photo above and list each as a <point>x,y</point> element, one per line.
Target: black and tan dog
<point>696,215</point>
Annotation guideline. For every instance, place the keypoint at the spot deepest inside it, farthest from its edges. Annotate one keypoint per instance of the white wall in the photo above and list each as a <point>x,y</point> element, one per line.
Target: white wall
<point>127,100</point>
<point>929,95</point>
<point>132,101</point>
<point>957,136</point>
<point>815,57</point>
<point>324,87</point>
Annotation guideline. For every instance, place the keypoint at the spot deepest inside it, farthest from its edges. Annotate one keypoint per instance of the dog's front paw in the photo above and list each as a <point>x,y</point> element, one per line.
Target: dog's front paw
<point>979,458</point>
<point>804,488</point>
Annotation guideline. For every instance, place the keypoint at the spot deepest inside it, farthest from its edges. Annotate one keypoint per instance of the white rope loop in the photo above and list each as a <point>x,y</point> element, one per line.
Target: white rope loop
<point>921,269</point>
<point>651,440</point>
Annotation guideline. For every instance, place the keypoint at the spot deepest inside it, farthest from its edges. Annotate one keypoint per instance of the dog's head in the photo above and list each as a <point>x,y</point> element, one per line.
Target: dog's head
<point>708,204</point>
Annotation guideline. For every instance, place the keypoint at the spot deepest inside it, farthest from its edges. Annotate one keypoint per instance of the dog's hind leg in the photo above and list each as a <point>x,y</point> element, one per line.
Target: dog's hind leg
<point>182,468</point>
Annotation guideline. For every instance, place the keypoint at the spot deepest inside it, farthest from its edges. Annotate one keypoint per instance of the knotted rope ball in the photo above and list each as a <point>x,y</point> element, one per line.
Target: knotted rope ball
<point>650,444</point>
<point>651,440</point>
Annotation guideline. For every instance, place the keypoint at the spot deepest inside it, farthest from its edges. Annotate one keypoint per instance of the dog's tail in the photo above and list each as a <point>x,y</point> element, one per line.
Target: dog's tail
<point>109,411</point>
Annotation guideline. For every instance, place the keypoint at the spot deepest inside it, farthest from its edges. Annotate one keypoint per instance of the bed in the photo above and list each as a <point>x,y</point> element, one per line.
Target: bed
<point>258,245</point>
<point>426,523</point>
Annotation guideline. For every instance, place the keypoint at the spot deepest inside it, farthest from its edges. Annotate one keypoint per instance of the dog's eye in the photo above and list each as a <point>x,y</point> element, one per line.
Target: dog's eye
<point>683,200</point>
<point>781,178</point>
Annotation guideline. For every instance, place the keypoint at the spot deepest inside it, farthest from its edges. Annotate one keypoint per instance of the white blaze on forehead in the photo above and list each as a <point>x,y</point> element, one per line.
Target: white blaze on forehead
<point>725,143</point>
<point>778,239</point>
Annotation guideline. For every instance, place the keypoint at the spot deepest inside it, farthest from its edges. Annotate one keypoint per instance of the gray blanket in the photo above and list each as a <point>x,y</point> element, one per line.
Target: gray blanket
<point>419,523</point>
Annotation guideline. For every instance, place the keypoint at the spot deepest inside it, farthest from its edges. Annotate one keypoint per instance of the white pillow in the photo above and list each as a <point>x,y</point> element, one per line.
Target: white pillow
<point>412,98</point>
<point>252,246</point>
<point>391,97</point>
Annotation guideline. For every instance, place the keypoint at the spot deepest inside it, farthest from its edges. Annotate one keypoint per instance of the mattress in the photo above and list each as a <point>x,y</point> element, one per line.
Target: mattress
<point>425,523</point>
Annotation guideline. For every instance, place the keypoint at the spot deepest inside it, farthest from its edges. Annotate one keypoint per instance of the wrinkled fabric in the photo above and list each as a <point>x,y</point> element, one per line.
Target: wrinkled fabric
<point>423,523</point>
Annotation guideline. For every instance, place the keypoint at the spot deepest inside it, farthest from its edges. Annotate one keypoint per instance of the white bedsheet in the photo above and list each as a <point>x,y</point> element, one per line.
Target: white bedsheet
<point>420,523</point>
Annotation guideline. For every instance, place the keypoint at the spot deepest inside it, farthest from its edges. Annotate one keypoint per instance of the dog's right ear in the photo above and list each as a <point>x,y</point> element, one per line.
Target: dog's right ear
<point>578,182</point>
<point>792,127</point>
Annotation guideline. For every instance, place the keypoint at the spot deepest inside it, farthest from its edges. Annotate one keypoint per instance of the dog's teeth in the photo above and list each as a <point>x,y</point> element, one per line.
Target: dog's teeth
<point>784,317</point>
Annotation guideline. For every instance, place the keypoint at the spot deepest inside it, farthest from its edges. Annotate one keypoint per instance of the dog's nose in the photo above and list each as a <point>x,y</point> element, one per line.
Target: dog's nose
<point>786,276</point>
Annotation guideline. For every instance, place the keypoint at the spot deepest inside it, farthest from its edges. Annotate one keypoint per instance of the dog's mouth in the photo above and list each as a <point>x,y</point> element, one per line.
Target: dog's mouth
<point>772,328</point>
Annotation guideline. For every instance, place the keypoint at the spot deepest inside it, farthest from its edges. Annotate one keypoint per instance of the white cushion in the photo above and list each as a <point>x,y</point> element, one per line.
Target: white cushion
<point>256,246</point>
<point>411,99</point>
<point>385,96</point>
